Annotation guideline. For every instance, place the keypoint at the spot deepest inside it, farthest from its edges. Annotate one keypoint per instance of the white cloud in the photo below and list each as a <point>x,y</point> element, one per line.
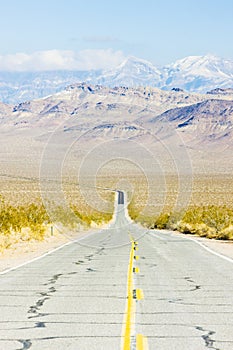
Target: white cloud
<point>58,59</point>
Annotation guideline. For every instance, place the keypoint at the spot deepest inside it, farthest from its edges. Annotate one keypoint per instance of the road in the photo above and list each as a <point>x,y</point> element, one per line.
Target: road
<point>121,288</point>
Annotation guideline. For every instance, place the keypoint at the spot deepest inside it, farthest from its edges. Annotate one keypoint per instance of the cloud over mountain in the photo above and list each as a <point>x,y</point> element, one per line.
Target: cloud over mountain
<point>61,60</point>
<point>25,77</point>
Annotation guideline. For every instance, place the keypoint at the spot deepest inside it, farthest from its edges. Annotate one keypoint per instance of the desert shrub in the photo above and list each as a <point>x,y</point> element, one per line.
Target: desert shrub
<point>201,230</point>
<point>134,211</point>
<point>88,217</point>
<point>14,219</point>
<point>205,221</point>
<point>161,222</point>
<point>217,217</point>
<point>226,233</point>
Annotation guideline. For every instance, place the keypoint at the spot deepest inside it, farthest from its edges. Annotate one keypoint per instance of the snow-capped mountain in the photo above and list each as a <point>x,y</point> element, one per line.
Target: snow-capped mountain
<point>193,74</point>
<point>132,72</point>
<point>199,73</point>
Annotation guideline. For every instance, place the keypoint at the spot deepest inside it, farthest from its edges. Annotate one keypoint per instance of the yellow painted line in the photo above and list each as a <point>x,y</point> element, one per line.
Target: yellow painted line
<point>139,294</point>
<point>132,294</point>
<point>141,342</point>
<point>130,306</point>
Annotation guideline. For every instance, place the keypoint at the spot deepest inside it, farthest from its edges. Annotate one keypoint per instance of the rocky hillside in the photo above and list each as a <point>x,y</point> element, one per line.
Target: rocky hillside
<point>209,121</point>
<point>124,112</point>
<point>169,130</point>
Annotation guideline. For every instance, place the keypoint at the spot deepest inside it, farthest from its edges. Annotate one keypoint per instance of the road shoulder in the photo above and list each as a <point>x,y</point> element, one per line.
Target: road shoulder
<point>23,252</point>
<point>219,246</point>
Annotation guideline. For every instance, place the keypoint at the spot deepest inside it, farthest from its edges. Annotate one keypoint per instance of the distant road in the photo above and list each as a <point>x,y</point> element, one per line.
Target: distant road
<point>120,197</point>
<point>121,288</point>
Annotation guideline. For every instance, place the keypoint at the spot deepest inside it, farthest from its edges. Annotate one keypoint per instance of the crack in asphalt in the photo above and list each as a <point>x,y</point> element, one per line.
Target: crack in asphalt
<point>197,287</point>
<point>39,314</point>
<point>40,325</point>
<point>37,325</point>
<point>99,251</point>
<point>54,279</point>
<point>79,262</point>
<point>188,279</point>
<point>26,344</point>
<point>46,296</point>
<point>34,308</point>
<point>89,257</point>
<point>72,273</point>
<point>192,282</point>
<point>151,266</point>
<point>175,300</point>
<point>89,269</point>
<point>52,290</point>
<point>209,342</point>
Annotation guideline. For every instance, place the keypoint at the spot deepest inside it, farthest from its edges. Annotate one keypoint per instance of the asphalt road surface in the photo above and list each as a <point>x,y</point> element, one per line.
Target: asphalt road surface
<point>121,288</point>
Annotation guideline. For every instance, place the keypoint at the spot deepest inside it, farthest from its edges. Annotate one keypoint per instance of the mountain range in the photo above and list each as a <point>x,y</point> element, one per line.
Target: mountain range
<point>84,107</point>
<point>176,131</point>
<point>194,74</point>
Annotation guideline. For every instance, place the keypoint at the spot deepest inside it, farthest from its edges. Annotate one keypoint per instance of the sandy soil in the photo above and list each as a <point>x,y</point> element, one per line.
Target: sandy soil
<point>22,252</point>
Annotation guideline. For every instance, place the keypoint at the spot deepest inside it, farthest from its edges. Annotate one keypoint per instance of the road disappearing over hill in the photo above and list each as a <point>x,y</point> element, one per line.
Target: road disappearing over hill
<point>120,288</point>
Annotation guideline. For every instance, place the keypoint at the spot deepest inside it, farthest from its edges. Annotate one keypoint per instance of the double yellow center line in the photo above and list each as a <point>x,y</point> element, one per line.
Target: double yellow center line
<point>132,296</point>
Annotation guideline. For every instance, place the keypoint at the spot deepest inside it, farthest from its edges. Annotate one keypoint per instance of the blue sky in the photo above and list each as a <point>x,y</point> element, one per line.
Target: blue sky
<point>160,31</point>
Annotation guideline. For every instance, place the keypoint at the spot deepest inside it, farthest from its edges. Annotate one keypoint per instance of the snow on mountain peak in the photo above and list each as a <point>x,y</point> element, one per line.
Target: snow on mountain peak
<point>134,66</point>
<point>140,64</point>
<point>197,73</point>
<point>192,73</point>
<point>208,65</point>
<point>132,72</point>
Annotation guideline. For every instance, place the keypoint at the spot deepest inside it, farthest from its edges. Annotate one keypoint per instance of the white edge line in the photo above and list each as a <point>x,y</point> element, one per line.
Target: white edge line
<point>202,245</point>
<point>156,236</point>
<point>43,255</point>
<point>210,250</point>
